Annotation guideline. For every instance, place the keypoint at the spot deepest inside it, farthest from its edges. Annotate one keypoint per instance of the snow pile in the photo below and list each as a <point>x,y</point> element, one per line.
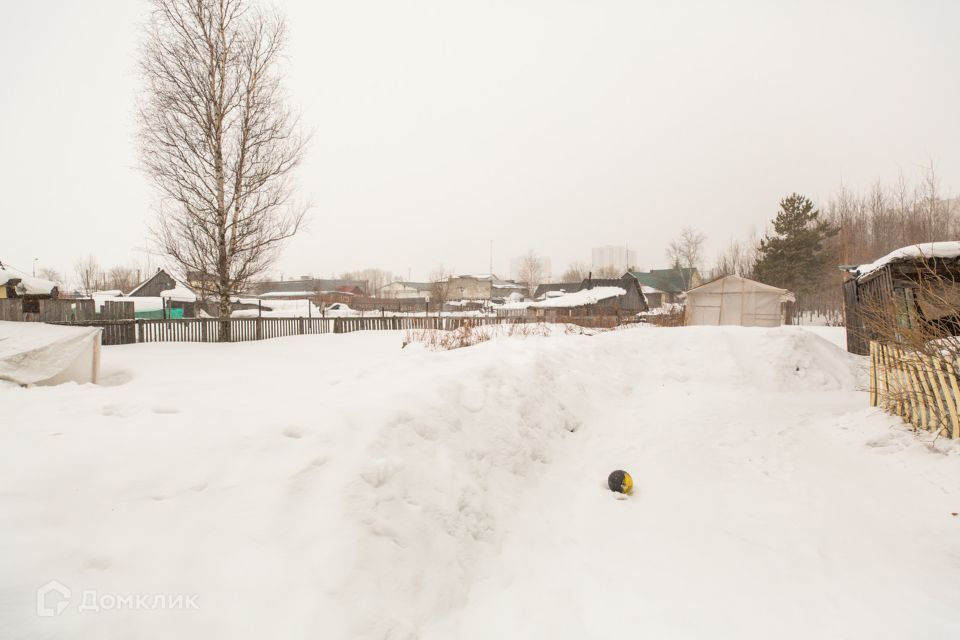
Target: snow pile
<point>338,486</point>
<point>948,249</point>
<point>580,298</point>
<point>340,310</point>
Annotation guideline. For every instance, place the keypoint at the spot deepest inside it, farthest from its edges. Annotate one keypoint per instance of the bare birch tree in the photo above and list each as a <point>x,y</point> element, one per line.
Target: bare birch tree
<point>607,271</point>
<point>531,270</point>
<point>51,274</point>
<point>122,278</point>
<point>218,139</point>
<point>440,285</point>
<point>89,274</point>
<point>687,251</point>
<point>576,272</point>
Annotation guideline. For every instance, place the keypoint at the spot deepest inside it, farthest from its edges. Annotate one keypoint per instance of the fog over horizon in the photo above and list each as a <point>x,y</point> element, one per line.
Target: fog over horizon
<point>553,126</point>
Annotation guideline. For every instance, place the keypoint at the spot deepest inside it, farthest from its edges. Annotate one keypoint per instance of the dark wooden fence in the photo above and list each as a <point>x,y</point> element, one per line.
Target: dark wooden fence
<point>246,329</point>
<point>53,310</point>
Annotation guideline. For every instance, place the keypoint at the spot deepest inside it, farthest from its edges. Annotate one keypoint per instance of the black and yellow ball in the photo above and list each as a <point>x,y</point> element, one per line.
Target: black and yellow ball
<point>620,481</point>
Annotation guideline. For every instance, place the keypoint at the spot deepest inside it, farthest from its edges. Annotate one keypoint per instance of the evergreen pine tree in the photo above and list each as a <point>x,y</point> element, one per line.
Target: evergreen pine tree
<point>794,256</point>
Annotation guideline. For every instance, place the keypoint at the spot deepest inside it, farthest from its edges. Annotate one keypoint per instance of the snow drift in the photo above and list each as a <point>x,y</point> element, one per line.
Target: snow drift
<point>339,486</point>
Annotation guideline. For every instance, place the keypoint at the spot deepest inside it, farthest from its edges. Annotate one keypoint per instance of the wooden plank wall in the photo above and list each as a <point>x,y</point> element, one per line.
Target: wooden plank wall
<point>54,310</point>
<point>11,309</point>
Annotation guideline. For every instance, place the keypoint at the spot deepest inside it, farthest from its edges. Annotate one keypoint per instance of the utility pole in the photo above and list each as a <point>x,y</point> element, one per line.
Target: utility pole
<point>491,258</point>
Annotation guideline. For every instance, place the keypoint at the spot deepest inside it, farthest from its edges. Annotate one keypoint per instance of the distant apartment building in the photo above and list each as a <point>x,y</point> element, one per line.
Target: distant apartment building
<point>618,256</point>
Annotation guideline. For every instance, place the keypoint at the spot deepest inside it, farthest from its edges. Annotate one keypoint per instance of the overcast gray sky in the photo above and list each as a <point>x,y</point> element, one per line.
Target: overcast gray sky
<point>551,125</point>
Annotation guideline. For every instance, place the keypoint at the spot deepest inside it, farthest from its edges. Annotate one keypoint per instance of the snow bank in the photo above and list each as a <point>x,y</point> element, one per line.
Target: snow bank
<point>37,353</point>
<point>339,486</point>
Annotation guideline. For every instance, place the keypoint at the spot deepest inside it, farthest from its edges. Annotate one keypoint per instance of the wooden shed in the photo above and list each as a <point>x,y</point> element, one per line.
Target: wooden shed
<point>899,286</point>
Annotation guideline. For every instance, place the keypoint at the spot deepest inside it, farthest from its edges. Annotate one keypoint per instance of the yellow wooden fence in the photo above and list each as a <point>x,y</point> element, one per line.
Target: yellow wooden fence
<point>921,389</point>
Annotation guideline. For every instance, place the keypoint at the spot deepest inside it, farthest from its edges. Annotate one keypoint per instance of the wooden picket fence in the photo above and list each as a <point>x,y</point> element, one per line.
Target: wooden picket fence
<point>127,331</point>
<point>921,389</point>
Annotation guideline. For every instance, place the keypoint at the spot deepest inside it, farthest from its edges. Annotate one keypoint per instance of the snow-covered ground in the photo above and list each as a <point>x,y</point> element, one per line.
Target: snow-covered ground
<point>339,486</point>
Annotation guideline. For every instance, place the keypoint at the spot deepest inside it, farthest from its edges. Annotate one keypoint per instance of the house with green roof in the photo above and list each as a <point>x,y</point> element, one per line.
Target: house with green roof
<point>666,286</point>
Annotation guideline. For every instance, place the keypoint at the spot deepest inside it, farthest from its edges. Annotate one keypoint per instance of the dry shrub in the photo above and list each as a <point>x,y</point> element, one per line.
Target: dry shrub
<point>469,335</point>
<point>670,315</point>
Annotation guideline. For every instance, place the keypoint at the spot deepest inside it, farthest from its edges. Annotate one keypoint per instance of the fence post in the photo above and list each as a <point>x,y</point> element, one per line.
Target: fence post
<point>873,373</point>
<point>938,393</point>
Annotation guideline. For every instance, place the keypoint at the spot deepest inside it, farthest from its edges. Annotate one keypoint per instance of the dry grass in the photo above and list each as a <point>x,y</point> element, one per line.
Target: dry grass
<point>469,335</point>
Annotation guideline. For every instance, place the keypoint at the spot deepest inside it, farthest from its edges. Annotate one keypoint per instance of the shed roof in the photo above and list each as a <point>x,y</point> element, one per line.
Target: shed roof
<point>567,287</point>
<point>665,280</point>
<point>923,251</point>
<point>738,284</point>
<point>26,285</point>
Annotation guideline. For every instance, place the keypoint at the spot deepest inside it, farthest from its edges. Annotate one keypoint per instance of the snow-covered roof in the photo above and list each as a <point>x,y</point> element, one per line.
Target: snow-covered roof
<point>180,294</point>
<point>947,249</point>
<point>28,285</point>
<point>649,289</point>
<point>140,303</point>
<point>581,298</point>
<point>733,284</point>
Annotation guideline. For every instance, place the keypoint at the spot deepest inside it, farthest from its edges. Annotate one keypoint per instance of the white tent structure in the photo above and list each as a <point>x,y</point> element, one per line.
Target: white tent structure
<point>45,354</point>
<point>733,300</point>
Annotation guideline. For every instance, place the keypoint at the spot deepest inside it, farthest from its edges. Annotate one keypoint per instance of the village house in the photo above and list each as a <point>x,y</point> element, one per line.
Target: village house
<point>159,296</point>
<point>399,290</point>
<point>482,287</point>
<point>620,297</point>
<point>667,286</point>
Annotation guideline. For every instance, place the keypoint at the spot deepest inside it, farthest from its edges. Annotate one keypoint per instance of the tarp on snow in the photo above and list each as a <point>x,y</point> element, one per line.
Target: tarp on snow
<point>733,300</point>
<point>38,353</point>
